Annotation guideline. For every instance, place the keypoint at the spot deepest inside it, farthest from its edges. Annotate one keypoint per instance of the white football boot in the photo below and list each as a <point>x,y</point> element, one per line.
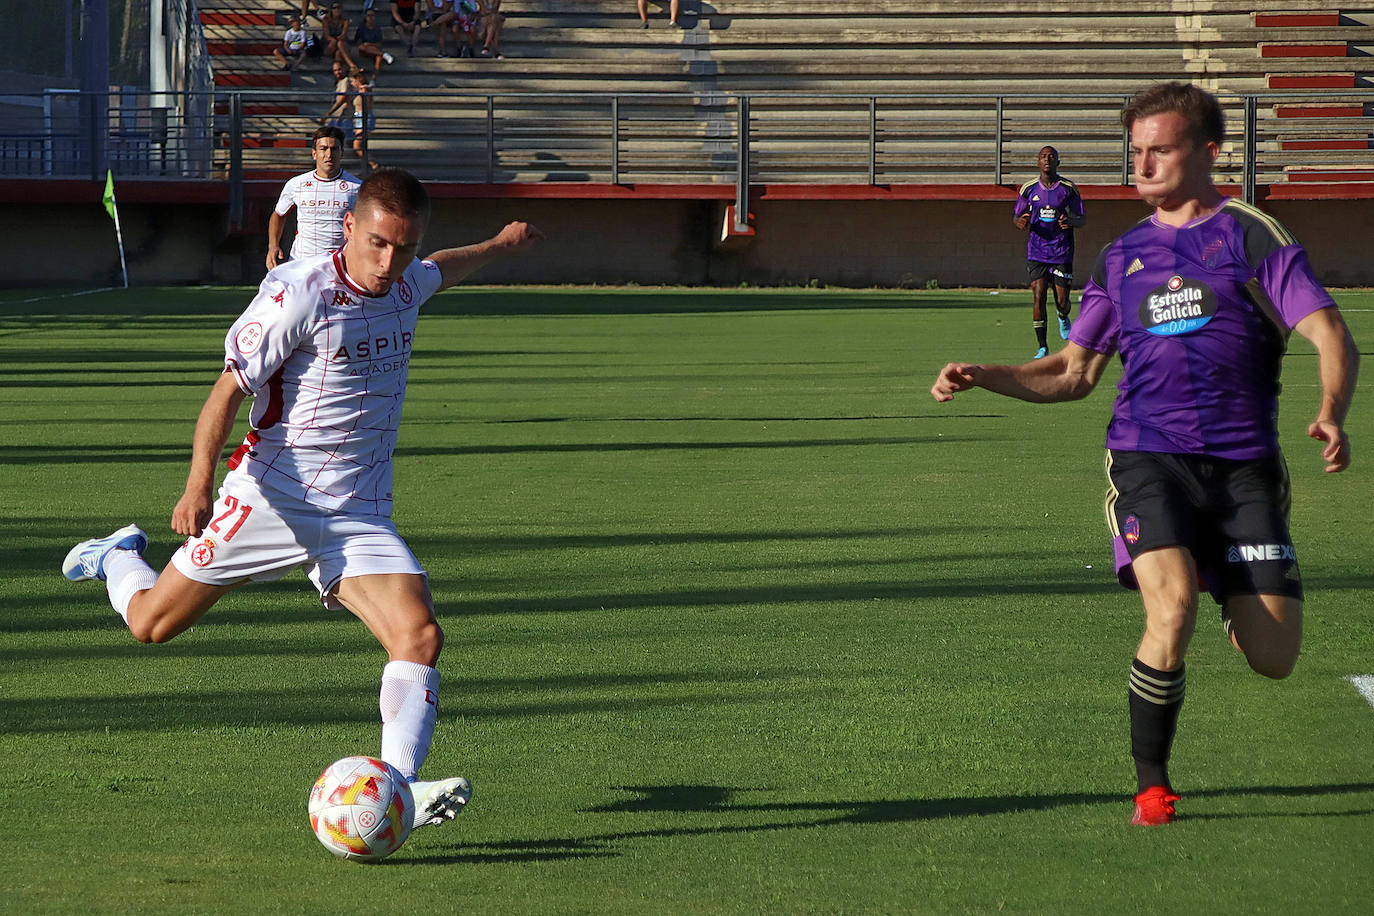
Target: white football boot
<point>87,559</point>
<point>439,801</point>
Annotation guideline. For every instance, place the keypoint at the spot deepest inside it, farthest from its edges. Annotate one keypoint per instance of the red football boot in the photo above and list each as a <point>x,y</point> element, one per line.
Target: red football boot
<point>1154,806</point>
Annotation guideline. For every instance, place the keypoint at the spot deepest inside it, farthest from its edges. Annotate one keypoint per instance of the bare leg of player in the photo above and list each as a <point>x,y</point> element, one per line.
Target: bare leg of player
<point>399,611</point>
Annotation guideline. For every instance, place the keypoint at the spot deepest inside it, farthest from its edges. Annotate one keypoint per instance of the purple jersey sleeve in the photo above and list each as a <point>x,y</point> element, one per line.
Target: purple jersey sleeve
<point>1022,204</point>
<point>1073,205</point>
<point>1098,327</point>
<point>1286,278</point>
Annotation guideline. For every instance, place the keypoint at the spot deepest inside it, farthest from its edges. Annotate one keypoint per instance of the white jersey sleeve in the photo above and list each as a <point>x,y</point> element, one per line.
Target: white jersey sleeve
<point>287,198</point>
<point>270,329</point>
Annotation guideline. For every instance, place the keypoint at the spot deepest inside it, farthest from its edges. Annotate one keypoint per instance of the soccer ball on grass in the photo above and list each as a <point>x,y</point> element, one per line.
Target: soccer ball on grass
<point>361,808</point>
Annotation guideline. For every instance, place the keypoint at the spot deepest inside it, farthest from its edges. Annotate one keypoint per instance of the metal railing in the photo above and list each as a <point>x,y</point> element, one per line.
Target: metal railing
<point>633,138</point>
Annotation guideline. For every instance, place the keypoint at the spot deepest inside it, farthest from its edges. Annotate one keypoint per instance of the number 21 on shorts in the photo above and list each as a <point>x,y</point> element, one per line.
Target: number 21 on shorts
<point>232,506</point>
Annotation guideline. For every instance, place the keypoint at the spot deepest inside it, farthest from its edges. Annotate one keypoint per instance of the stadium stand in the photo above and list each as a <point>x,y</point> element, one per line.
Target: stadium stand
<point>935,69</point>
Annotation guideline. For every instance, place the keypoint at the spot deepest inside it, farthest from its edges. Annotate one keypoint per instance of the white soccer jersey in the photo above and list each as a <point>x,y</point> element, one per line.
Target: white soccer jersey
<point>320,208</point>
<point>327,363</point>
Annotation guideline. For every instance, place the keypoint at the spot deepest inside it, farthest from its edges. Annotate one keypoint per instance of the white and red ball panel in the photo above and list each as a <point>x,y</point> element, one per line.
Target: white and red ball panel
<point>361,808</point>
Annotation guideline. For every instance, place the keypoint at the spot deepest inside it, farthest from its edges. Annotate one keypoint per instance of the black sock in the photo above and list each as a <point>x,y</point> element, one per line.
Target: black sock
<point>1155,699</point>
<point>1040,333</point>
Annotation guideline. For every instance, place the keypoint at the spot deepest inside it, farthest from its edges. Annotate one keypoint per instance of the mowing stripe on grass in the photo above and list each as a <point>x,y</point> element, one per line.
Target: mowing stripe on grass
<point>1364,683</point>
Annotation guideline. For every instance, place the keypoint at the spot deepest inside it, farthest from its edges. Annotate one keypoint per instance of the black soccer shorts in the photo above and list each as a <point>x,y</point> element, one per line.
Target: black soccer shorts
<point>1232,516</point>
<point>1061,274</point>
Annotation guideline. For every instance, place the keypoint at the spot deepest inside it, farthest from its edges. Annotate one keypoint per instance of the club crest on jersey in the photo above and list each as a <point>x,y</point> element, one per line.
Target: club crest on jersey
<point>403,290</point>
<point>1178,306</point>
<point>249,337</point>
<point>203,554</point>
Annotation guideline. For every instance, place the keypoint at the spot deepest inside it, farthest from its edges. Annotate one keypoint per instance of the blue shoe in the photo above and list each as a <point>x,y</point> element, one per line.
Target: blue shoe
<point>1064,326</point>
<point>87,559</point>
<point>1042,352</point>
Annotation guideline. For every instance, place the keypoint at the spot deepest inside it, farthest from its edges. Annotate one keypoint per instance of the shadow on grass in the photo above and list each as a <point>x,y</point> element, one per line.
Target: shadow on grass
<point>869,591</point>
<point>721,801</point>
<point>152,453</point>
<point>283,704</point>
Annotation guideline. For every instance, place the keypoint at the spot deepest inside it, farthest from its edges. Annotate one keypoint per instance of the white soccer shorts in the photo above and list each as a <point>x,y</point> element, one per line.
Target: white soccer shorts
<point>258,535</point>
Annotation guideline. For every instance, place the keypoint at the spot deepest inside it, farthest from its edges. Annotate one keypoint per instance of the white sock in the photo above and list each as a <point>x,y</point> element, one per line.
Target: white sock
<point>126,574</point>
<point>410,705</point>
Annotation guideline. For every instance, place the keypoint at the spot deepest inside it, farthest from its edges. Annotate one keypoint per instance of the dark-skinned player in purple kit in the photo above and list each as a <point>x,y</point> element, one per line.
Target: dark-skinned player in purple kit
<point>1049,208</point>
<point>1199,300</point>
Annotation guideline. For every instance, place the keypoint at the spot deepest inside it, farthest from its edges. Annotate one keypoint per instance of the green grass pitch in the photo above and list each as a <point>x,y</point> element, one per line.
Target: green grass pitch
<point>739,620</point>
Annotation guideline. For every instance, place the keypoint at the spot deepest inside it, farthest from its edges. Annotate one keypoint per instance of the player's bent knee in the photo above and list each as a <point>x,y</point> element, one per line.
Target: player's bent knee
<point>421,645</point>
<point>149,628</point>
<point>1273,665</point>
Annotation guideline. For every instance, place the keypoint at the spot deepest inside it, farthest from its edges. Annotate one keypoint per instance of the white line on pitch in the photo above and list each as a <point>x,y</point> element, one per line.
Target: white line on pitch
<point>1364,683</point>
<point>84,292</point>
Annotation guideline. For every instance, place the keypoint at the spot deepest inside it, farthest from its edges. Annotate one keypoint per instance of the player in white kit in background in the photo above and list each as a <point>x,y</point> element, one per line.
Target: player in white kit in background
<point>320,197</point>
<point>324,349</point>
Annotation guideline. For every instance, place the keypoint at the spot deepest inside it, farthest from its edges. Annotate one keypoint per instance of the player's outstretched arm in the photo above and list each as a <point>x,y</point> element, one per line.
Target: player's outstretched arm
<point>1068,375</point>
<point>216,422</point>
<point>455,264</point>
<point>274,253</point>
<point>1338,362</point>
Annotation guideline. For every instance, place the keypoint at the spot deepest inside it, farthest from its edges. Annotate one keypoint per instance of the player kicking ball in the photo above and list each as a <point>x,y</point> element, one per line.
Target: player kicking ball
<point>324,349</point>
<point>1199,300</point>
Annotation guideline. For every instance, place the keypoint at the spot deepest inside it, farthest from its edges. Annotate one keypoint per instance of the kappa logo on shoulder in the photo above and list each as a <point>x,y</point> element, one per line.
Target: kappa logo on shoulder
<point>280,296</point>
<point>341,298</point>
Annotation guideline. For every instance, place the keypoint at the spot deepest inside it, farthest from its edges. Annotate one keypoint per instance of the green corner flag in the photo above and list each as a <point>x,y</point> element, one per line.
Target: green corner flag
<point>108,200</point>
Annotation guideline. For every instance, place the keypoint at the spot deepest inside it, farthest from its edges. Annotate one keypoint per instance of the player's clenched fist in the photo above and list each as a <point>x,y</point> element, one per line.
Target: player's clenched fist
<point>952,378</point>
<point>192,514</point>
<point>517,236</point>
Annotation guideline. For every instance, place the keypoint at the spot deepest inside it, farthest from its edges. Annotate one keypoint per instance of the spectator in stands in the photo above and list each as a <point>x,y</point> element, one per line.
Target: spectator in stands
<point>336,35</point>
<point>440,18</point>
<point>364,118</point>
<point>291,51</point>
<point>1050,209</point>
<point>311,8</point>
<point>405,19</point>
<point>368,40</point>
<point>644,13</point>
<point>490,27</point>
<point>340,113</point>
<point>466,26</point>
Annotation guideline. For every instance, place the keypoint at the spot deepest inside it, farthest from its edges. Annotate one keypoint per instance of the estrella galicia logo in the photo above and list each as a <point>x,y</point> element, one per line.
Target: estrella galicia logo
<point>1178,307</point>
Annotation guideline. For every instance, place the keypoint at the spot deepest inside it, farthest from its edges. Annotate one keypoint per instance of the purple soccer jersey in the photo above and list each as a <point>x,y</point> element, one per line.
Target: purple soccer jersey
<point>1200,315</point>
<point>1048,242</point>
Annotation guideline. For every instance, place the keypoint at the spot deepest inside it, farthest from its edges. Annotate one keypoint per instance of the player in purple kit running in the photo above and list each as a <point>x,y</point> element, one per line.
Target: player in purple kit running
<point>1050,209</point>
<point>1199,300</point>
